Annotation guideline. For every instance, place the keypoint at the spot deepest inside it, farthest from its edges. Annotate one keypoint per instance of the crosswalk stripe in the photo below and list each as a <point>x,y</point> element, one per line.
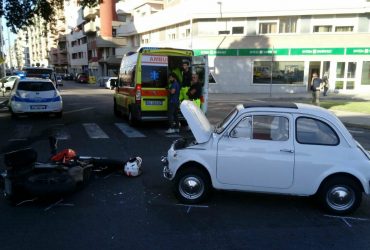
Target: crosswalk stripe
<point>129,131</point>
<point>94,131</point>
<point>21,132</point>
<point>61,133</point>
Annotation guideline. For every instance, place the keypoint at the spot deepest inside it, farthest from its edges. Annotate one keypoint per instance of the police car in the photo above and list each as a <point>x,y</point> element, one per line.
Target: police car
<point>35,95</point>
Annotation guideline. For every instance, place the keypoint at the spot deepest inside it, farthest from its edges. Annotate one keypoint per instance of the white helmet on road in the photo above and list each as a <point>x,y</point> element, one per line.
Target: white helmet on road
<point>133,166</point>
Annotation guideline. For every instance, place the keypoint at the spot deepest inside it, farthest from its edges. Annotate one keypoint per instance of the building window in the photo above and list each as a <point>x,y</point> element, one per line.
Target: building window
<point>365,76</point>
<point>322,28</point>
<point>224,32</point>
<point>282,72</point>
<point>340,69</point>
<point>238,30</point>
<point>187,32</point>
<point>343,28</point>
<point>267,28</point>
<point>351,72</point>
<point>114,32</point>
<point>288,24</point>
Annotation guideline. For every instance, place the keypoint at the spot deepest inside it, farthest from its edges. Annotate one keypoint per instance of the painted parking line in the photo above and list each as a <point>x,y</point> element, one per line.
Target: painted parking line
<point>355,131</point>
<point>21,132</point>
<point>94,131</point>
<point>129,131</point>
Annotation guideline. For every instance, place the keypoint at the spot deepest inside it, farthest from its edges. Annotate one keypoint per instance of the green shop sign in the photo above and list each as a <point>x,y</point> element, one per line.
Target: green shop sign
<point>216,52</point>
<point>358,51</point>
<point>283,52</point>
<point>316,51</point>
<point>263,52</point>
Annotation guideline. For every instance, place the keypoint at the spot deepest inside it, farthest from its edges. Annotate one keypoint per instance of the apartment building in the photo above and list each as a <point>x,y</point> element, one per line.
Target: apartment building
<point>260,47</point>
<point>76,40</point>
<point>100,27</point>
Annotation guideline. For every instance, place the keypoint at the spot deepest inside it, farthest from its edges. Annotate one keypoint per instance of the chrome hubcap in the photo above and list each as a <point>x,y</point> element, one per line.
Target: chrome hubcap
<point>191,187</point>
<point>340,198</point>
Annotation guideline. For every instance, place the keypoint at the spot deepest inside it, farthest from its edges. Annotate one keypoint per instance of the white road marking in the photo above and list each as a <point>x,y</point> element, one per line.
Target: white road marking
<point>94,131</point>
<point>355,131</point>
<point>21,132</point>
<point>129,131</point>
<point>61,133</point>
<point>346,217</point>
<point>77,110</point>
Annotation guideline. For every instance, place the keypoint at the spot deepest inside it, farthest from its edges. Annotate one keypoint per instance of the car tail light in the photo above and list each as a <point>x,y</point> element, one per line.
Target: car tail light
<point>138,94</point>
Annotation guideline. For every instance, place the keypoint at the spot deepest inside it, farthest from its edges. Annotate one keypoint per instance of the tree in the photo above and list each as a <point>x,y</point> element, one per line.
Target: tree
<point>20,13</point>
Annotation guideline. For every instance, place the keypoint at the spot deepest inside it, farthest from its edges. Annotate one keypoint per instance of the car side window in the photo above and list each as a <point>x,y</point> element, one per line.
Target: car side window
<point>314,131</point>
<point>262,127</point>
<point>243,129</point>
<point>269,127</point>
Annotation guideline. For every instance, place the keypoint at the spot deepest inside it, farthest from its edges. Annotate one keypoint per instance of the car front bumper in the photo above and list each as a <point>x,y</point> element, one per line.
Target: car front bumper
<point>166,170</point>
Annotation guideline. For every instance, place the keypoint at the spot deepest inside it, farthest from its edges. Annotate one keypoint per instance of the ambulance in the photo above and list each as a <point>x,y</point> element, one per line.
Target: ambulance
<point>141,90</point>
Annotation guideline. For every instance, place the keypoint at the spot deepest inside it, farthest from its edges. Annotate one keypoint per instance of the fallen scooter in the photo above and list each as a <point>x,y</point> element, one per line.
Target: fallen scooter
<point>65,171</point>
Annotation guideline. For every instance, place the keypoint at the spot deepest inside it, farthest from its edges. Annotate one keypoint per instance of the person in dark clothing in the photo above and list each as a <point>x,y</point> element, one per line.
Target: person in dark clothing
<point>186,79</point>
<point>173,104</point>
<point>195,90</point>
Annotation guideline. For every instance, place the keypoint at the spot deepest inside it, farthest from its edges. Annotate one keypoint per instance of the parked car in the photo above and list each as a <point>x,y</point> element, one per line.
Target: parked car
<point>59,81</point>
<point>67,77</point>
<point>292,149</point>
<point>7,83</point>
<point>106,81</point>
<point>82,78</point>
<point>34,95</point>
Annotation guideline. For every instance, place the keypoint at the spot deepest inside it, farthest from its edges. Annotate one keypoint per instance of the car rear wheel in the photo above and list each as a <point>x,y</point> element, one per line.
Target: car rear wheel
<point>192,185</point>
<point>340,195</point>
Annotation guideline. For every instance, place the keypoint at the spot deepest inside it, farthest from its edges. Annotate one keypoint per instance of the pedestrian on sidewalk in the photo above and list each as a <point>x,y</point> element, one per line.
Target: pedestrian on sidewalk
<point>316,85</point>
<point>173,105</point>
<point>325,80</point>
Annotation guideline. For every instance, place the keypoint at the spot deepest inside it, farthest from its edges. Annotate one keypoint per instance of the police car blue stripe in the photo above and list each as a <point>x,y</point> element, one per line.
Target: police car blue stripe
<point>38,100</point>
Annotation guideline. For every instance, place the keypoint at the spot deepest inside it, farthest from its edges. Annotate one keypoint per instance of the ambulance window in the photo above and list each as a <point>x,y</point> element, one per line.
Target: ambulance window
<point>154,76</point>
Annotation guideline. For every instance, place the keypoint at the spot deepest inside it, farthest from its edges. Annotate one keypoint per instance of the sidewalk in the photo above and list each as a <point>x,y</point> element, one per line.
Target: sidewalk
<point>348,118</point>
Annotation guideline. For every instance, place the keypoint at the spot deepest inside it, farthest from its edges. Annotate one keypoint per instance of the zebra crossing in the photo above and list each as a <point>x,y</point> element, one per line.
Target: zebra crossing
<point>93,131</point>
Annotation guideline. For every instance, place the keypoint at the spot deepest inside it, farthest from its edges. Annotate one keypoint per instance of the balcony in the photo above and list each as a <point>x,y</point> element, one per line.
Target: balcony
<point>90,27</point>
<point>90,13</point>
<point>110,42</point>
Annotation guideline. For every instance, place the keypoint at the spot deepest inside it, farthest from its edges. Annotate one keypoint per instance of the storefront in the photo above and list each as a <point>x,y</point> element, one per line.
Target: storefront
<point>288,69</point>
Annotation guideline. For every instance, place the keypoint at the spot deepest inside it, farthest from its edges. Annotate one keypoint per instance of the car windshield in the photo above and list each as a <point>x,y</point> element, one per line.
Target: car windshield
<point>36,86</point>
<point>221,126</point>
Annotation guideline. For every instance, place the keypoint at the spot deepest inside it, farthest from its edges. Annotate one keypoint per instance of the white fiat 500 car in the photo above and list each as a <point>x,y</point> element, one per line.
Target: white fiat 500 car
<point>287,148</point>
<point>35,95</point>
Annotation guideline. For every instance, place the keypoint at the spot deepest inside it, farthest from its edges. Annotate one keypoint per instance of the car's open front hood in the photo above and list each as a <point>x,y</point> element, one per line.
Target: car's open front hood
<point>197,121</point>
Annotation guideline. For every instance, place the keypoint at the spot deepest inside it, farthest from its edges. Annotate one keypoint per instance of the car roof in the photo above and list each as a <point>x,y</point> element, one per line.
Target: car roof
<point>290,107</point>
<point>34,79</point>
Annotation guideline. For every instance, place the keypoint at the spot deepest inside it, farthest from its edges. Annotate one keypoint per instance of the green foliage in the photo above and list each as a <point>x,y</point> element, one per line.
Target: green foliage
<point>20,13</point>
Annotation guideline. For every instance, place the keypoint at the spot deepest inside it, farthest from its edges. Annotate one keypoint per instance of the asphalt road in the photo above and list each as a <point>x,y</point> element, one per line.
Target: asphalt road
<point>117,212</point>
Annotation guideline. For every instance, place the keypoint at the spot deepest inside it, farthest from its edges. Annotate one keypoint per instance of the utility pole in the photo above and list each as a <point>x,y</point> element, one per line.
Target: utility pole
<point>2,51</point>
<point>10,53</point>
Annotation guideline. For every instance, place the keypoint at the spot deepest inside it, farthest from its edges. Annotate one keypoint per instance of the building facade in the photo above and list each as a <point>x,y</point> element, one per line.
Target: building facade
<point>100,27</point>
<point>76,40</point>
<point>272,46</point>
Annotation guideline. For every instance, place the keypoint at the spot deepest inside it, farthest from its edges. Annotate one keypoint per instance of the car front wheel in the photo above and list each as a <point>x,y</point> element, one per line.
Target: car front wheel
<point>340,195</point>
<point>192,186</point>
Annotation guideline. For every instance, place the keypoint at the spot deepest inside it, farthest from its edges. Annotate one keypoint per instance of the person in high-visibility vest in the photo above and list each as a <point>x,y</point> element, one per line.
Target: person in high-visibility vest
<point>185,80</point>
<point>195,91</point>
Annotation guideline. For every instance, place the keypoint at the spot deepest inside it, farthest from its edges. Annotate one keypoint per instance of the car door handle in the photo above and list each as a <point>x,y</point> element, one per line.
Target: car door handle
<point>287,150</point>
